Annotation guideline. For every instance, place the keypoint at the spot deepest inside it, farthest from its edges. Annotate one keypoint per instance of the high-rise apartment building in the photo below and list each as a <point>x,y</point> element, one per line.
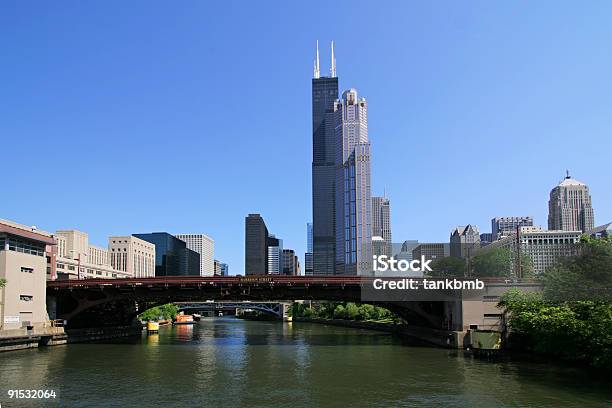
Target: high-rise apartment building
<point>203,245</point>
<point>256,245</point>
<point>464,240</point>
<point>503,226</point>
<point>324,95</point>
<point>381,222</point>
<point>132,255</point>
<point>353,190</point>
<point>308,255</point>
<point>569,207</point>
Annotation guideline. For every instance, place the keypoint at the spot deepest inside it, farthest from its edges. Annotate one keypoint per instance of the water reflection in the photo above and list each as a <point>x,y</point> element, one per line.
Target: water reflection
<point>227,362</point>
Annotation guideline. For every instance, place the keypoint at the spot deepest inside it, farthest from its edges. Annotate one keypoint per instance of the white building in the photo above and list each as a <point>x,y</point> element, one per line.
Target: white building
<point>203,245</point>
<point>132,255</point>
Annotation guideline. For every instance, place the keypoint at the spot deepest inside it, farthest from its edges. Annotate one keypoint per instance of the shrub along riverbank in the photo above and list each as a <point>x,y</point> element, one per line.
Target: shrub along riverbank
<point>344,311</point>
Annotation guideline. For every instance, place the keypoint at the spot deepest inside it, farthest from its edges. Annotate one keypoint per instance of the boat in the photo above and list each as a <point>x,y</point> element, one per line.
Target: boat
<point>197,317</point>
<point>183,319</point>
<point>164,322</point>
<point>152,327</point>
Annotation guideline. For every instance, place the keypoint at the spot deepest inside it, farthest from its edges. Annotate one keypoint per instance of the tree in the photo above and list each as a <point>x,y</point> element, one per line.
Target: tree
<point>587,276</point>
<point>448,266</point>
<point>2,282</point>
<point>498,262</point>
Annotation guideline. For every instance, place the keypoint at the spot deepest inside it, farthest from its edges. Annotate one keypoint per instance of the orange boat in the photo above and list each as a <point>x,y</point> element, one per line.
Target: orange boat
<point>183,319</point>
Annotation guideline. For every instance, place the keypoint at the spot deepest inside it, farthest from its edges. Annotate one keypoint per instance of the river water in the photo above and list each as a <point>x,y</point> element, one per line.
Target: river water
<point>227,362</point>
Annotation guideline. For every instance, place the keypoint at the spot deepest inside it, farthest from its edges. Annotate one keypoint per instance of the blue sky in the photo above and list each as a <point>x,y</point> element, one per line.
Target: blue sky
<point>126,117</point>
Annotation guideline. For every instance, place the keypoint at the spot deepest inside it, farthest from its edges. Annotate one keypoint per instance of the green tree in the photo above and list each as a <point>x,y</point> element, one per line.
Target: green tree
<point>587,276</point>
<point>352,311</point>
<point>448,266</point>
<point>498,262</point>
<point>2,282</point>
<point>163,312</point>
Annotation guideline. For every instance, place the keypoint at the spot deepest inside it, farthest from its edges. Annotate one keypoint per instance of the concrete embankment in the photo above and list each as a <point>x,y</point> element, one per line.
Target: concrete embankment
<point>434,337</point>
<point>34,339</point>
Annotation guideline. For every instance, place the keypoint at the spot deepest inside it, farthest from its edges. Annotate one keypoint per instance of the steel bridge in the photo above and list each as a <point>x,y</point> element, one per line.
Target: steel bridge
<point>116,302</point>
<point>277,309</point>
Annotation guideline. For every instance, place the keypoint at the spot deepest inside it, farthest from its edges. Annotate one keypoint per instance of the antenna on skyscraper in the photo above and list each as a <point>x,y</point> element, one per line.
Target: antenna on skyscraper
<point>567,174</point>
<point>317,72</point>
<point>333,61</point>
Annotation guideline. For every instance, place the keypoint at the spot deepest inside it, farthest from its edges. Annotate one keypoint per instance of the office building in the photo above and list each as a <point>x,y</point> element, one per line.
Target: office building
<point>224,269</point>
<point>217,268</point>
<point>308,270</point>
<point>381,222</point>
<point>324,95</point>
<point>431,251</point>
<point>569,207</point>
<point>291,264</point>
<point>172,257</point>
<point>353,189</point>
<point>78,259</point>
<point>544,248</point>
<point>486,238</point>
<point>275,255</point>
<point>256,245</point>
<point>203,245</point>
<point>27,257</point>
<point>134,256</point>
<point>503,226</point>
<point>464,240</point>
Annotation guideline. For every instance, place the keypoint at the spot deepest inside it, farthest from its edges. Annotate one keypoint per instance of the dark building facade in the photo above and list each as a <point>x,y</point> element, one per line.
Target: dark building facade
<point>256,245</point>
<point>324,94</point>
<point>172,257</point>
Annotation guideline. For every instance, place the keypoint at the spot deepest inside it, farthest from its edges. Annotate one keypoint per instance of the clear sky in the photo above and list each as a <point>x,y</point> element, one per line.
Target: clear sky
<point>126,117</point>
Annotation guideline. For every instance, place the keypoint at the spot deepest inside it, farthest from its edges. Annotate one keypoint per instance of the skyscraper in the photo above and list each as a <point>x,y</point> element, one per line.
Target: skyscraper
<point>275,255</point>
<point>203,245</point>
<point>256,248</point>
<point>308,255</point>
<point>353,192</point>
<point>381,222</point>
<point>569,207</point>
<point>324,94</point>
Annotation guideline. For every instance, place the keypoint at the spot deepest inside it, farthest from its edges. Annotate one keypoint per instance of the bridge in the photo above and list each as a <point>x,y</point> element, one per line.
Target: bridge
<point>274,308</point>
<point>116,302</point>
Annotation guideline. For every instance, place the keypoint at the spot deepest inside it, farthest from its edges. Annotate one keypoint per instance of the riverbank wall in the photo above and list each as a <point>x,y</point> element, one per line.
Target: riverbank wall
<point>434,337</point>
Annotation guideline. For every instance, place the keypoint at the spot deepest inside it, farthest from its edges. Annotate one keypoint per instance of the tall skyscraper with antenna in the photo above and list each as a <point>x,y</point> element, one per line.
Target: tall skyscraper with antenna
<point>324,94</point>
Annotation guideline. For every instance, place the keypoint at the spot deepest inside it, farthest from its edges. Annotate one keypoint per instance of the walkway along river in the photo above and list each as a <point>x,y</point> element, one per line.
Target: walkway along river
<point>228,362</point>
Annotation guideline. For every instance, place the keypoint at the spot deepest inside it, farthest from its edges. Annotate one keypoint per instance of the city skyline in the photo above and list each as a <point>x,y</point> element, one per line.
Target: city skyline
<point>424,113</point>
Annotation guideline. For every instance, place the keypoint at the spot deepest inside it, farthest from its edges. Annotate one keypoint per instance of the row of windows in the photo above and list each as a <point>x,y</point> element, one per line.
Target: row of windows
<point>26,247</point>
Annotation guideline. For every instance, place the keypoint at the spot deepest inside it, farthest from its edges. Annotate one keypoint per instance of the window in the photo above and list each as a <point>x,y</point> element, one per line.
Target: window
<point>26,298</point>
<point>27,270</point>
